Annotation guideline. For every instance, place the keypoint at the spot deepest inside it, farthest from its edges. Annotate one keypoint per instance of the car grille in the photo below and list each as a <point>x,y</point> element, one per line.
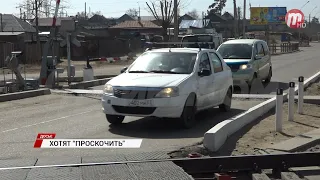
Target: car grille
<point>134,110</point>
<point>135,94</point>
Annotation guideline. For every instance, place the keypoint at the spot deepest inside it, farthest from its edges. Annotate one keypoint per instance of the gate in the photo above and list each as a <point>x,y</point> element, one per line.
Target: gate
<point>5,50</point>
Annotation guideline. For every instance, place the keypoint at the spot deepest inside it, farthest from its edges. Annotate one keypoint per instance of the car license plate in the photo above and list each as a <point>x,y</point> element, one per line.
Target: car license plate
<point>141,103</point>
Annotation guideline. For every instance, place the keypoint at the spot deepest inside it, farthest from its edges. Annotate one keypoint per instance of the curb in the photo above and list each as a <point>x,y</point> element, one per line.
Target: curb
<point>24,94</point>
<point>277,54</point>
<point>217,136</point>
<point>86,84</point>
<point>79,79</point>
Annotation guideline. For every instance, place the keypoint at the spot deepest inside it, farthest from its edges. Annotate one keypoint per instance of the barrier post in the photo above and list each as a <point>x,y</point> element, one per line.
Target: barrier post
<point>291,101</point>
<point>300,94</point>
<point>279,110</point>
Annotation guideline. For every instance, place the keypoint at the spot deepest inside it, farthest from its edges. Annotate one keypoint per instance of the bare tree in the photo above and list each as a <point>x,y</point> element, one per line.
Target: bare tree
<point>163,14</point>
<point>43,8</point>
<point>193,13</point>
<point>132,12</point>
<point>217,7</point>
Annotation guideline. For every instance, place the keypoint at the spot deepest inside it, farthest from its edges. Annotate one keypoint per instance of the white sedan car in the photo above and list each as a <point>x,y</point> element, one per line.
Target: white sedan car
<point>169,83</point>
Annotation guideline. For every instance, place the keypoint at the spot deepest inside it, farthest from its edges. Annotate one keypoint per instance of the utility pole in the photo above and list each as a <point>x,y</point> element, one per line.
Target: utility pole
<point>176,23</point>
<point>37,22</point>
<point>235,18</point>
<point>85,10</point>
<point>244,17</point>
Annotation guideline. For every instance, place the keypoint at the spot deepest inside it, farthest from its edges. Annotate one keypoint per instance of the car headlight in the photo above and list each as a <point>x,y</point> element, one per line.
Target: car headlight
<point>168,92</point>
<point>108,89</point>
<point>245,66</point>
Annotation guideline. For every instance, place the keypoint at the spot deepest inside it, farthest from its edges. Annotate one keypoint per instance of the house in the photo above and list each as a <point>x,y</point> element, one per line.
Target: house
<point>14,29</point>
<point>45,24</point>
<point>127,28</point>
<point>97,25</point>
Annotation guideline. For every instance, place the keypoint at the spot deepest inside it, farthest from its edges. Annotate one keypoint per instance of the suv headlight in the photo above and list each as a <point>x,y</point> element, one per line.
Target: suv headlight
<point>108,89</point>
<point>168,92</point>
<point>245,66</point>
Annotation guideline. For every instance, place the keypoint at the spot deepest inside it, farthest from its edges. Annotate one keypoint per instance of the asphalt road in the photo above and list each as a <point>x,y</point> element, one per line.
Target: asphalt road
<point>81,117</point>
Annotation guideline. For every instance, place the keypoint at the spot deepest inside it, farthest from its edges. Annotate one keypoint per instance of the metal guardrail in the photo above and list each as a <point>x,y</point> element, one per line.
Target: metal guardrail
<point>283,48</point>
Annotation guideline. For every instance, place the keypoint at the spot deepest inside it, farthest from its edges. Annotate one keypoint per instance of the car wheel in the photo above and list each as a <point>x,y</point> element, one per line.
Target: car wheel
<point>188,116</point>
<point>226,106</point>
<point>269,76</point>
<point>115,119</point>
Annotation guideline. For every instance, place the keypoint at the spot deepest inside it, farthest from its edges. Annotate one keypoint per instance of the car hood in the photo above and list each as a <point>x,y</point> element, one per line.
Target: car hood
<point>147,79</point>
<point>237,61</point>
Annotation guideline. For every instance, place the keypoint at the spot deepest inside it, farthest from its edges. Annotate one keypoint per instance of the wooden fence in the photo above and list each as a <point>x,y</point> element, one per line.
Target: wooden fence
<point>5,50</point>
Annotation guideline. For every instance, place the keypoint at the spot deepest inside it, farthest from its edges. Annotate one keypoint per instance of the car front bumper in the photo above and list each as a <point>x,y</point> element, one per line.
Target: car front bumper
<point>161,107</point>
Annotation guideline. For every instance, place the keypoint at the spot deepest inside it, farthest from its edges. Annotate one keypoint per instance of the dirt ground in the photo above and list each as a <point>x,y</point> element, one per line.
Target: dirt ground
<point>313,90</point>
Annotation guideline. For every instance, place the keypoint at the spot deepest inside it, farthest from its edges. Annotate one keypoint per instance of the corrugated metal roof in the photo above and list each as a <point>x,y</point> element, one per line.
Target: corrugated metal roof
<point>10,33</point>
<point>12,23</point>
<point>185,24</point>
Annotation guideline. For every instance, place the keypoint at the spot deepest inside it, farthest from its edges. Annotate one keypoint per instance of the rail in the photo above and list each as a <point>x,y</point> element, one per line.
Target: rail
<point>283,48</point>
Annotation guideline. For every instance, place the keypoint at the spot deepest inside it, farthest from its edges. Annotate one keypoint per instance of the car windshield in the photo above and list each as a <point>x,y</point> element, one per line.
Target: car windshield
<point>164,62</point>
<point>235,51</point>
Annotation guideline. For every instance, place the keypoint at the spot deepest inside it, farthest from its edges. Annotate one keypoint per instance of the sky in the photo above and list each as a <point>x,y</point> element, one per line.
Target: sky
<point>116,8</point>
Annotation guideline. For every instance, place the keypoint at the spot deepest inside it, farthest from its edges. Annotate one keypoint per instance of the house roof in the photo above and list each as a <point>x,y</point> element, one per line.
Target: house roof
<point>14,24</point>
<point>48,21</point>
<point>227,15</point>
<point>185,24</point>
<point>151,18</point>
<point>135,25</point>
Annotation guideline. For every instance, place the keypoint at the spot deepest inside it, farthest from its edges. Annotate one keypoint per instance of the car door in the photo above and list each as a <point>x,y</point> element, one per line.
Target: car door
<point>205,85</point>
<point>262,61</point>
<point>268,58</point>
<point>219,78</point>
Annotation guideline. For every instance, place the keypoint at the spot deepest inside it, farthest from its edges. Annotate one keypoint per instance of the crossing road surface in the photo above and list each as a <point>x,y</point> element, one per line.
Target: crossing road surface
<point>81,117</point>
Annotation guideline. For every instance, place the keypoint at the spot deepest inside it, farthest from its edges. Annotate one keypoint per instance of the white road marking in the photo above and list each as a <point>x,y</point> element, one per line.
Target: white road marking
<point>56,119</point>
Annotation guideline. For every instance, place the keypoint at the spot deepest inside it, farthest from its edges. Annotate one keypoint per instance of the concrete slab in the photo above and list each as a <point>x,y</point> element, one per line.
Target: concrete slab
<point>87,84</point>
<point>116,171</point>
<point>16,174</point>
<point>297,143</point>
<point>24,94</point>
<point>99,159</point>
<point>57,161</point>
<point>158,171</point>
<point>56,173</point>
<point>5,163</point>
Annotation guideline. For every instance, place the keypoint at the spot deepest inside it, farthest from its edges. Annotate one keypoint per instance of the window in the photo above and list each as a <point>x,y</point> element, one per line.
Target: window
<point>164,62</point>
<point>235,51</point>
<point>204,62</point>
<point>260,50</point>
<point>217,65</point>
<point>266,48</point>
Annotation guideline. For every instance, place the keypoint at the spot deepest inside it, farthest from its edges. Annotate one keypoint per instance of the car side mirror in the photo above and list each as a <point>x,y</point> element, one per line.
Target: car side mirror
<point>123,70</point>
<point>204,72</point>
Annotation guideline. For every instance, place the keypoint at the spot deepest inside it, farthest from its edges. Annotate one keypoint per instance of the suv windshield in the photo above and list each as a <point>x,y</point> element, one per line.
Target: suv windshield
<point>197,38</point>
<point>235,51</point>
<point>164,62</point>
